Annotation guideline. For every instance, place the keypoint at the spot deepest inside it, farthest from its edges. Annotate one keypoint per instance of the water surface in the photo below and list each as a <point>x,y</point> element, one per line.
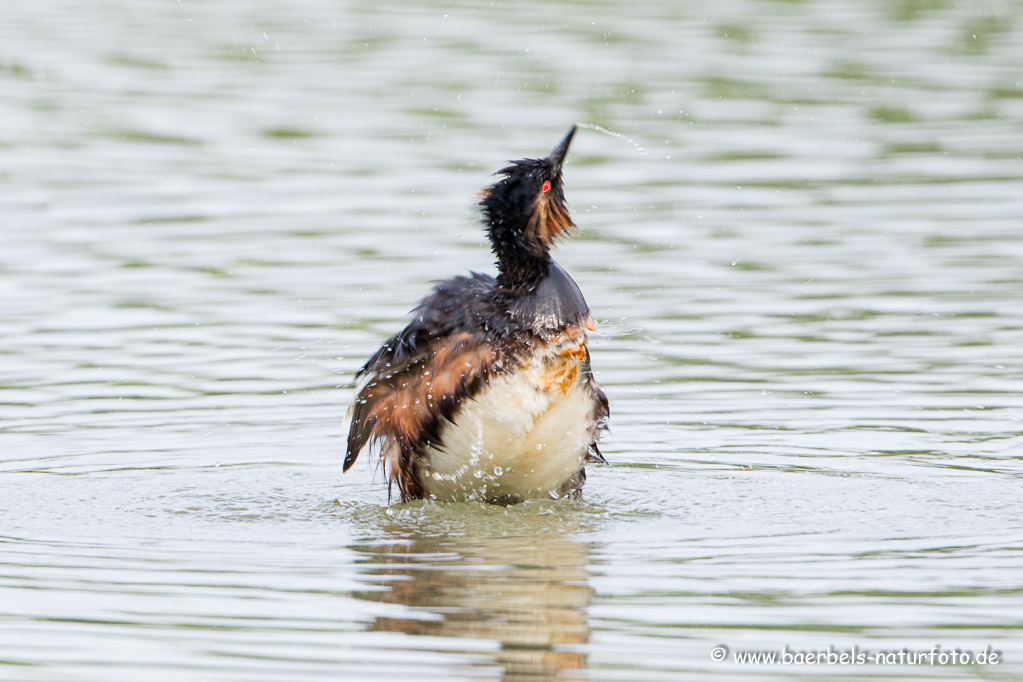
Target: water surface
<point>805,259</point>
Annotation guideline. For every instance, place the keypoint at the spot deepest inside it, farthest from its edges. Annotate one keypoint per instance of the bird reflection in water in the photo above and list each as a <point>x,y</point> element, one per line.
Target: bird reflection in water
<point>520,585</point>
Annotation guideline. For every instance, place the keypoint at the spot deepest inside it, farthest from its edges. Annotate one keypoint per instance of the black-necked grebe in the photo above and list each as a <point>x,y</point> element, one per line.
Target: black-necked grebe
<point>487,394</point>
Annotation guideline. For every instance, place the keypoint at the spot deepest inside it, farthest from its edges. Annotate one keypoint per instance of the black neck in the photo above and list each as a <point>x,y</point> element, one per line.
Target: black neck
<point>519,272</point>
<point>522,263</point>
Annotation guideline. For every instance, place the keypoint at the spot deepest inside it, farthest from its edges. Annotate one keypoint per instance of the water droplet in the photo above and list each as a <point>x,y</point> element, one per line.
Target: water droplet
<point>498,471</point>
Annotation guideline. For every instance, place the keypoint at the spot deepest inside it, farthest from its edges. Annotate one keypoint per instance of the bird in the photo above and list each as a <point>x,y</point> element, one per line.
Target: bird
<point>488,394</point>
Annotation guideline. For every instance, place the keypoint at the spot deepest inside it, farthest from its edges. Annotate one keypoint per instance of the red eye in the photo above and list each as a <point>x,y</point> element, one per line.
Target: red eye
<point>546,186</point>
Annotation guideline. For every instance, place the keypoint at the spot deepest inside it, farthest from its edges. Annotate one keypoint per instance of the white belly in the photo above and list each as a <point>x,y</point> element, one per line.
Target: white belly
<point>513,441</point>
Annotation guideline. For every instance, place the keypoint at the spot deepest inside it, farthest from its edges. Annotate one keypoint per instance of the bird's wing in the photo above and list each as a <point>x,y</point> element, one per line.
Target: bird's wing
<point>404,408</point>
<point>601,412</point>
<point>417,380</point>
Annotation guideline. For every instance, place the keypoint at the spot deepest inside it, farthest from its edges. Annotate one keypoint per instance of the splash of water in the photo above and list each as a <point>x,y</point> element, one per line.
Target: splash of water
<point>611,133</point>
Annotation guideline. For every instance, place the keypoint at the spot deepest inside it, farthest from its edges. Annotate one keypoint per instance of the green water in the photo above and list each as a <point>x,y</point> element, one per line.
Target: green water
<point>803,248</point>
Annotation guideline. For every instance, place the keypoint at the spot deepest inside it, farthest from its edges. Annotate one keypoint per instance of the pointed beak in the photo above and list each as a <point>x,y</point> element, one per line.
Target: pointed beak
<point>558,155</point>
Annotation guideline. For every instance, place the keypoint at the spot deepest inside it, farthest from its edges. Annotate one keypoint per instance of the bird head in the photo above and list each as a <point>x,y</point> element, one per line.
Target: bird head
<point>524,212</point>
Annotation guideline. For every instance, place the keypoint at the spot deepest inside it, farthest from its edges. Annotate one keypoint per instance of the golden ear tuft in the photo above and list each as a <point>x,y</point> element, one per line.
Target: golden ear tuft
<point>549,220</point>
